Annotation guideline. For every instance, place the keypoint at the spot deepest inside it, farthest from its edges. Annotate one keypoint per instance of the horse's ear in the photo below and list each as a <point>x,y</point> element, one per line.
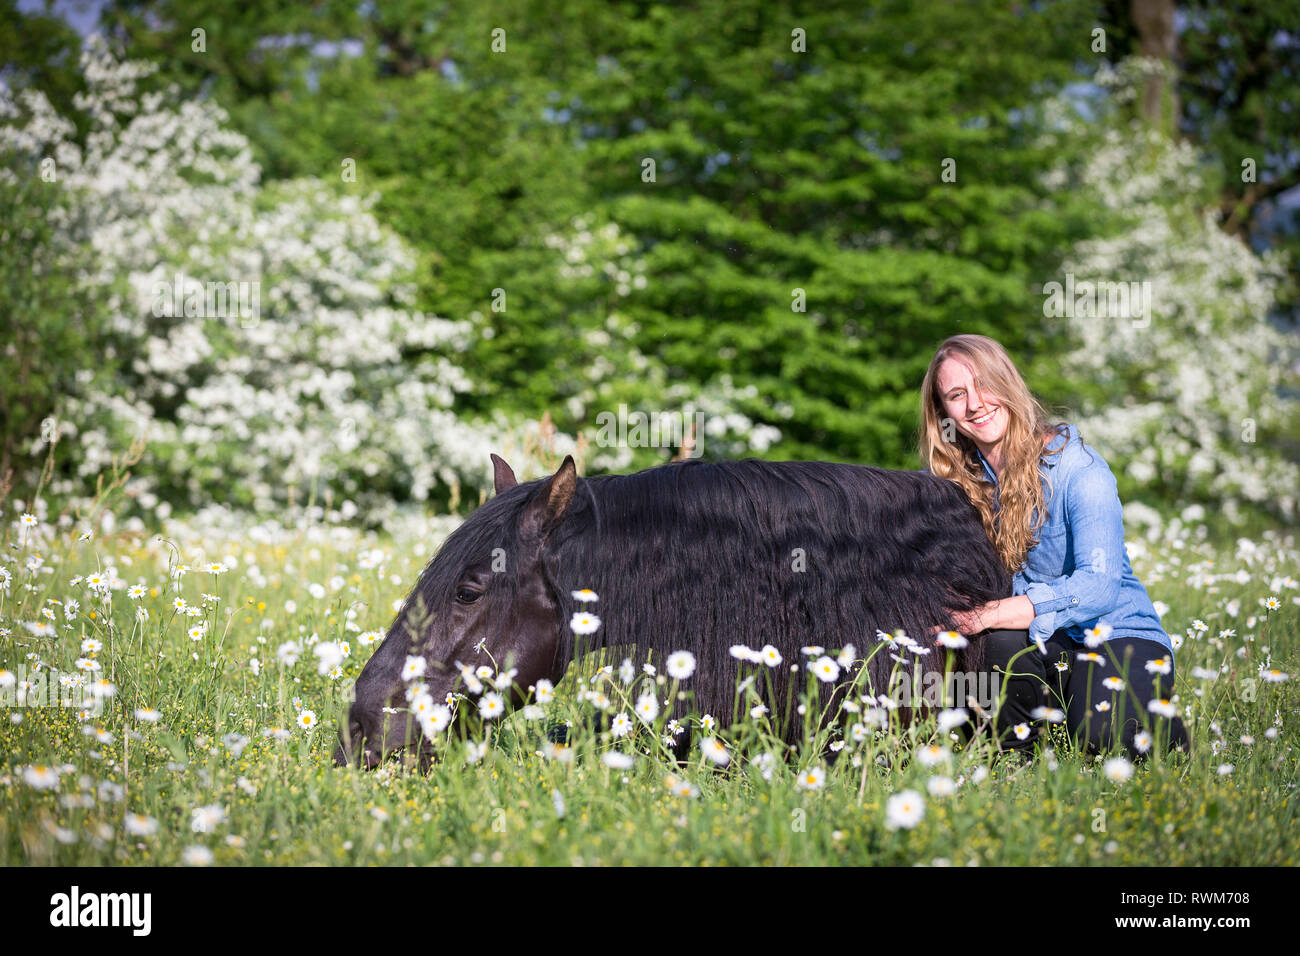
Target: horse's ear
<point>503,476</point>
<point>550,503</point>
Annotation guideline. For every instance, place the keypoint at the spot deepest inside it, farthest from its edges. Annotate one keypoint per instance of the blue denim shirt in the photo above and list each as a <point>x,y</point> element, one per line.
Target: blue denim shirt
<point>1078,574</point>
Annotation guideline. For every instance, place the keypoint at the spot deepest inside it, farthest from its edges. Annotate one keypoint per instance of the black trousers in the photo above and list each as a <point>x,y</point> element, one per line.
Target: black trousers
<point>1098,717</point>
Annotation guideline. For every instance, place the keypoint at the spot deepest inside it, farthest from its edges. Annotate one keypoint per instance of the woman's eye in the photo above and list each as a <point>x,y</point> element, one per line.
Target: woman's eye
<point>467,595</point>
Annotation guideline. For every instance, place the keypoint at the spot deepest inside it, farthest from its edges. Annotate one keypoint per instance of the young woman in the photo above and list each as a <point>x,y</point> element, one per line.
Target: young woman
<point>1079,640</point>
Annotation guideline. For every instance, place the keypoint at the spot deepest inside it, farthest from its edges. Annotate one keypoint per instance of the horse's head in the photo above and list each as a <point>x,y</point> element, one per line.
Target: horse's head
<point>484,598</point>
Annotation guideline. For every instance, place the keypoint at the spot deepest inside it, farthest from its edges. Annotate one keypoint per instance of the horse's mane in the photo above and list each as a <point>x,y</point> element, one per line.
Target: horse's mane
<point>700,556</point>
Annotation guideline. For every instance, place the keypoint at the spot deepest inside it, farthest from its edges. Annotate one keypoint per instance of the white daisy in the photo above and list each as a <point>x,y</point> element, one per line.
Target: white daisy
<point>681,788</point>
<point>491,706</point>
<point>952,717</point>
<point>1163,707</point>
<point>932,755</point>
<point>941,786</point>
<point>680,665</point>
<point>825,669</point>
<point>413,668</point>
<point>814,778</point>
<point>647,707</point>
<point>952,639</point>
<point>206,819</point>
<point>435,721</point>
<point>905,809</point>
<point>1118,769</point>
<point>1096,636</point>
<point>715,750</point>
<point>766,764</point>
<point>196,856</point>
<point>41,777</point>
<point>137,824</point>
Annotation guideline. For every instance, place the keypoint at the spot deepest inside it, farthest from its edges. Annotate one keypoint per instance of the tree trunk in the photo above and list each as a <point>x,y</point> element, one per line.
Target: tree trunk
<point>1154,20</point>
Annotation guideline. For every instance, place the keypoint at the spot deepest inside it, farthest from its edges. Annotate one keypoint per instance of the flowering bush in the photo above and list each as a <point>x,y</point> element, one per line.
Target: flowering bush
<point>265,340</point>
<point>309,368</point>
<point>1191,398</point>
<point>599,269</point>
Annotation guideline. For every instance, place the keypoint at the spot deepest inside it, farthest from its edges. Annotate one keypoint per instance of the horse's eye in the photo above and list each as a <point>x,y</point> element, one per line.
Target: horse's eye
<point>467,595</point>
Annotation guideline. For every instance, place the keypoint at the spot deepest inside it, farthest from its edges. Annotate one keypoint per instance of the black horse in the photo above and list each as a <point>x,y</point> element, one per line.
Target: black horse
<point>691,556</point>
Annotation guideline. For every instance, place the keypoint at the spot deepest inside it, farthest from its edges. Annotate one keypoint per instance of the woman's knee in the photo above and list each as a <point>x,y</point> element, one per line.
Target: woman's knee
<point>1097,732</point>
<point>1001,646</point>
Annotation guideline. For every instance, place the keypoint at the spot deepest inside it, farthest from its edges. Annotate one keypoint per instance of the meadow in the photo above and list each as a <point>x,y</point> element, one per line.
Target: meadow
<point>205,669</point>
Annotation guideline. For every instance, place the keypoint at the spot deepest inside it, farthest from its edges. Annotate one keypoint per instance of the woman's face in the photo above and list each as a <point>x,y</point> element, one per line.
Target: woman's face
<point>979,416</point>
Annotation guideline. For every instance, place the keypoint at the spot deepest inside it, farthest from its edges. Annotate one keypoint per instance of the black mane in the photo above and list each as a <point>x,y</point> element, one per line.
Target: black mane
<point>699,556</point>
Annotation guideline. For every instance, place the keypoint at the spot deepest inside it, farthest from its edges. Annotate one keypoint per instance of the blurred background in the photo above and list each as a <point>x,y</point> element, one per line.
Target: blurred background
<point>337,252</point>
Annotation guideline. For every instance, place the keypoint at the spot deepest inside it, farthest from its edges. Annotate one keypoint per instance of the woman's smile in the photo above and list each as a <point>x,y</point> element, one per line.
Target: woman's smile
<point>969,406</point>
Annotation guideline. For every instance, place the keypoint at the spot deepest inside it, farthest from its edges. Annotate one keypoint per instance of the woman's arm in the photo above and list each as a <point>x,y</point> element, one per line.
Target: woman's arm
<point>1013,614</point>
<point>1096,521</point>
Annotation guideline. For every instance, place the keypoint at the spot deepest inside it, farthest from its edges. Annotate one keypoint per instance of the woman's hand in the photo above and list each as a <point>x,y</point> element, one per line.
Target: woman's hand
<point>968,622</point>
<point>1012,613</point>
<point>972,621</point>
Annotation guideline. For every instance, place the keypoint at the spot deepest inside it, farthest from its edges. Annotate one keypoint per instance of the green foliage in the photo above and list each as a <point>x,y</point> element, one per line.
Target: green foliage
<point>1238,85</point>
<point>776,170</point>
<point>39,50</point>
<point>1193,401</point>
<point>203,766</point>
<point>835,190</point>
<point>50,328</point>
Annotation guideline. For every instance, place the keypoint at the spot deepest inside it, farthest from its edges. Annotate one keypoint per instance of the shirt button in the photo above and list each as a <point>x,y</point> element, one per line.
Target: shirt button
<point>1074,600</point>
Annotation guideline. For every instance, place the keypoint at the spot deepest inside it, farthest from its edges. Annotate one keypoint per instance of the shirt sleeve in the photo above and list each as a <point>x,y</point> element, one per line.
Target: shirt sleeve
<point>1096,522</point>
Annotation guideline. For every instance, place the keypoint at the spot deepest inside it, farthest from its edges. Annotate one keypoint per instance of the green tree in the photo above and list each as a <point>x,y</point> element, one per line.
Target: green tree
<point>49,326</point>
<point>794,149</point>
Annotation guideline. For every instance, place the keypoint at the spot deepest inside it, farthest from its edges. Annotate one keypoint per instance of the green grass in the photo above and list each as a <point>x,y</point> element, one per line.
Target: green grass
<point>285,803</point>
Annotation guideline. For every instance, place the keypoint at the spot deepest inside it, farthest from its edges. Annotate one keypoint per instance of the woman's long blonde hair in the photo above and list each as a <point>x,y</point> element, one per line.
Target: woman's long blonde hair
<point>1013,524</point>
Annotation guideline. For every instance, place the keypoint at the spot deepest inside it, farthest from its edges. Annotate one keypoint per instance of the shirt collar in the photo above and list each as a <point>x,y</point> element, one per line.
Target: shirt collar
<point>1050,461</point>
